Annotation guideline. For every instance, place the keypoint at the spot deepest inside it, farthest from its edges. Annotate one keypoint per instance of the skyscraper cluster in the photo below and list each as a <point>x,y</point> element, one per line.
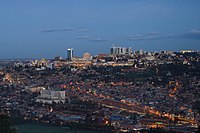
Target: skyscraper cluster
<point>120,50</point>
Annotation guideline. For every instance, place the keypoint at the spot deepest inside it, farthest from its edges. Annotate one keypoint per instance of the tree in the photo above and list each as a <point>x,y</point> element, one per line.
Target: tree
<point>5,126</point>
<point>198,131</point>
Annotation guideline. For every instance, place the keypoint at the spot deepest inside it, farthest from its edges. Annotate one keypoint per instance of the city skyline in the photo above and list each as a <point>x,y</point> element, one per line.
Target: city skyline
<point>36,29</point>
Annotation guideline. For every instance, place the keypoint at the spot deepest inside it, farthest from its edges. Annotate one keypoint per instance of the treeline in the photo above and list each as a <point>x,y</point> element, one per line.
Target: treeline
<point>5,125</point>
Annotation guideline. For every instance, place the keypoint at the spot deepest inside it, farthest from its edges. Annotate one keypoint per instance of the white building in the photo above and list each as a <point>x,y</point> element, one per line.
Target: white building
<point>70,53</point>
<point>120,50</point>
<point>49,96</point>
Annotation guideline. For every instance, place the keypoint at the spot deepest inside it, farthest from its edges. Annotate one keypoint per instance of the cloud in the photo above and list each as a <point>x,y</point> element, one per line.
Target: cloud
<point>83,37</point>
<point>93,39</point>
<point>79,28</point>
<point>57,30</point>
<point>193,34</point>
<point>82,30</point>
<point>147,36</point>
<point>99,40</point>
<point>153,33</point>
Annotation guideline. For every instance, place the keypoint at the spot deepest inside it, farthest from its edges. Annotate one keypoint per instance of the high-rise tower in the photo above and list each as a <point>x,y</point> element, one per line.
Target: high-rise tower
<point>120,50</point>
<point>70,53</point>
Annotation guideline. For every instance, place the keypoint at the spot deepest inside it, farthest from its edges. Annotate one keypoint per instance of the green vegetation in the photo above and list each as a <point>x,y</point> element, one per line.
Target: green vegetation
<point>197,106</point>
<point>5,126</point>
<point>198,131</point>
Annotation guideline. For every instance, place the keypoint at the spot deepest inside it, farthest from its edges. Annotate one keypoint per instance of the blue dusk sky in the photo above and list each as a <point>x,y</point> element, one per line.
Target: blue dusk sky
<point>46,28</point>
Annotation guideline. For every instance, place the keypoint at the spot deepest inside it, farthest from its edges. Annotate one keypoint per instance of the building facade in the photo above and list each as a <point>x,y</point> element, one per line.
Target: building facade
<point>120,50</point>
<point>70,53</point>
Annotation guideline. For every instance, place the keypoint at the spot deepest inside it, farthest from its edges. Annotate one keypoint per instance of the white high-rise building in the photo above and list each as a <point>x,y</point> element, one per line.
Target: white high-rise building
<point>120,50</point>
<point>70,53</point>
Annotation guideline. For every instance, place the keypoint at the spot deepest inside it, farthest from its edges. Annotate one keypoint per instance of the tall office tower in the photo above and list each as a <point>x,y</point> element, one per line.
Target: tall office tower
<point>128,50</point>
<point>70,53</point>
<point>120,50</point>
<point>112,50</point>
<point>116,50</point>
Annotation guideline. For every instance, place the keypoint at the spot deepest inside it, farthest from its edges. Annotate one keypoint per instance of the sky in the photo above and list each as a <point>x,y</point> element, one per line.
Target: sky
<point>46,28</point>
